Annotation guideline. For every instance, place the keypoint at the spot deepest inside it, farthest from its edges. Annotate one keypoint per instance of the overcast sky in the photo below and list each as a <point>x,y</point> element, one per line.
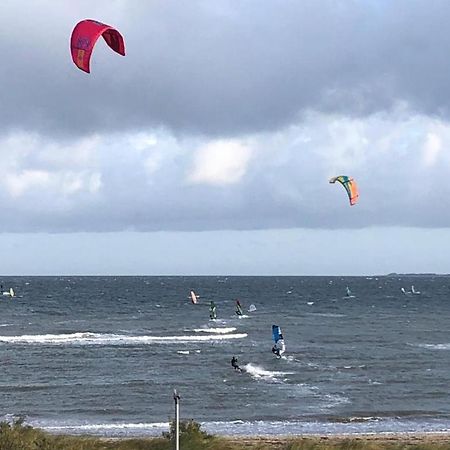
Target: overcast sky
<point>207,149</point>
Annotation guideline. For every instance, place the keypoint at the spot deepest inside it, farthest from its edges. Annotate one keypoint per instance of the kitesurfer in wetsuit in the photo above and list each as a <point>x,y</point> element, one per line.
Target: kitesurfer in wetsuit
<point>234,363</point>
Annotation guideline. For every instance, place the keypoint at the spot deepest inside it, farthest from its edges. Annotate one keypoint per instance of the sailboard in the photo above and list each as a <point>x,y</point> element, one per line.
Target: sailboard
<point>348,293</point>
<point>9,293</point>
<point>212,311</point>
<point>279,347</point>
<point>238,310</point>
<point>194,298</point>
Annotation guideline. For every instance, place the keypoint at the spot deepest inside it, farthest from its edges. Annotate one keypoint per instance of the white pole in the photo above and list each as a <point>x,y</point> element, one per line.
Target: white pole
<point>176,397</point>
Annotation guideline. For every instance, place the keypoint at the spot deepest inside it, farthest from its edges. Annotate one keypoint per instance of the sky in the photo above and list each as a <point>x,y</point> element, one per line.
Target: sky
<point>207,149</point>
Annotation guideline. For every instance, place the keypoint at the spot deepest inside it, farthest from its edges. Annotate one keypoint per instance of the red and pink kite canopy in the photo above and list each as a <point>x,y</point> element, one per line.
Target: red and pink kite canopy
<point>84,37</point>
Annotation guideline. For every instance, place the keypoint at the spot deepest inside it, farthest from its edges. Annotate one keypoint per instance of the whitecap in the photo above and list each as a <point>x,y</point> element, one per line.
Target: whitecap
<point>223,330</point>
<point>88,338</point>
<point>260,373</point>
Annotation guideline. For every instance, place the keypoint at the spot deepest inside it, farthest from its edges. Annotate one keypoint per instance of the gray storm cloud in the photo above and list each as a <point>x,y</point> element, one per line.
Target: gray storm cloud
<point>221,68</point>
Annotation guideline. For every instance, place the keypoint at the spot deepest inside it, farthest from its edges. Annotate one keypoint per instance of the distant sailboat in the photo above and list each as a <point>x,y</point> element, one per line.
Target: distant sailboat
<point>194,298</point>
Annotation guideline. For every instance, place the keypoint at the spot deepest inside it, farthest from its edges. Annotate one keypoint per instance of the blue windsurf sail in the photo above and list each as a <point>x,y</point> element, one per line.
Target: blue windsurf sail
<point>279,348</point>
<point>276,333</point>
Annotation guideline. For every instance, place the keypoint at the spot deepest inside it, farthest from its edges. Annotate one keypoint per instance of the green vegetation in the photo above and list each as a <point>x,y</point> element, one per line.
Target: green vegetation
<point>17,436</point>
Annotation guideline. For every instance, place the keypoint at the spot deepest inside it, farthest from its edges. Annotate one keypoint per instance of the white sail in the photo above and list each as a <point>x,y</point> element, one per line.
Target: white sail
<point>194,297</point>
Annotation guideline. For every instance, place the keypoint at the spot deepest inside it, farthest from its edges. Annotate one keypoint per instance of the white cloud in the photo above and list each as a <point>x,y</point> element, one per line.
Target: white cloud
<point>220,162</point>
<point>432,149</point>
<point>19,183</point>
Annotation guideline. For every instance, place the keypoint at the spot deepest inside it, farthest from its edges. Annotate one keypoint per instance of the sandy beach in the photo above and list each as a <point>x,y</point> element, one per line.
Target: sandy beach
<point>434,440</point>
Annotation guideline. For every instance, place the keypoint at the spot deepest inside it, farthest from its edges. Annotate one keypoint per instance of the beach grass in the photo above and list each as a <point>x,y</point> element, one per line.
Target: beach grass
<point>17,436</point>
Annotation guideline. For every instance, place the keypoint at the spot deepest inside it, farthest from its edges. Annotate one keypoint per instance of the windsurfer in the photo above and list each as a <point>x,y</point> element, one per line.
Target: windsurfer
<point>279,348</point>
<point>234,363</point>
<point>212,311</point>
<point>238,310</point>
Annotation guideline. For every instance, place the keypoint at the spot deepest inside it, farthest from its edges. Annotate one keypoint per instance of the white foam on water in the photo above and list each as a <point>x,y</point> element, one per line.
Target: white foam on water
<point>349,426</point>
<point>88,338</point>
<point>259,373</point>
<point>326,314</point>
<point>332,400</point>
<point>107,428</point>
<point>433,346</point>
<point>215,330</point>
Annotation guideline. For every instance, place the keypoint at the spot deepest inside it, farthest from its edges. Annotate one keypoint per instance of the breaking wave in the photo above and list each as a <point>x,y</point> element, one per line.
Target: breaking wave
<point>88,338</point>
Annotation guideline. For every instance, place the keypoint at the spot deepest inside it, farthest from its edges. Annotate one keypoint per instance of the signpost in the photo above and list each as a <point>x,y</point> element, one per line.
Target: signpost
<point>176,397</point>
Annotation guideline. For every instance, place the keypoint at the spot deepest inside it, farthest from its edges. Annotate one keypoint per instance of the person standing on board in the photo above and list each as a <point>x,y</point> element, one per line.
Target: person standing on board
<point>234,363</point>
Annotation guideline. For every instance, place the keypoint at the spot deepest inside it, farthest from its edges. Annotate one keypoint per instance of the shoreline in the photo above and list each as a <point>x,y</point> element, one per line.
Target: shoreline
<point>405,437</point>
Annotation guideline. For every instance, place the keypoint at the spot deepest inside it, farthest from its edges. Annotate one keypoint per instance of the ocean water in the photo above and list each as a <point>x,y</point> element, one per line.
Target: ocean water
<point>102,355</point>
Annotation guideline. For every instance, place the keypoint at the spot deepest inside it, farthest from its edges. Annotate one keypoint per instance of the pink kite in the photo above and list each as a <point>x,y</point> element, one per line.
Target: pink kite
<point>84,37</point>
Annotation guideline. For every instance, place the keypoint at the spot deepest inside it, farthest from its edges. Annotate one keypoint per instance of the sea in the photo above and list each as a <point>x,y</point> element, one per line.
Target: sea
<point>103,355</point>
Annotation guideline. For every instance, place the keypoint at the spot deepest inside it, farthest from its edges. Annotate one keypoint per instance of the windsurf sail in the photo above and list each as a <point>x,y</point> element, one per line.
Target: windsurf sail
<point>349,292</point>
<point>11,292</point>
<point>238,308</point>
<point>279,348</point>
<point>194,297</point>
<point>212,311</point>
<point>414,291</point>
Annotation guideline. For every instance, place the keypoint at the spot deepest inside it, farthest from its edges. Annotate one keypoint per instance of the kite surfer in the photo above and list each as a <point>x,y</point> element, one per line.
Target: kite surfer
<point>234,363</point>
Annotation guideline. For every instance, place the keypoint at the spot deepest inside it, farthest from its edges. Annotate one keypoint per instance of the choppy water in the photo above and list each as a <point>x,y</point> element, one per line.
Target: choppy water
<point>102,354</point>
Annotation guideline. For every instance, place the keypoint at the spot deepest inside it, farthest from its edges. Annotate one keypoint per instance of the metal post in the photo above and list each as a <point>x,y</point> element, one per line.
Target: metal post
<point>176,397</point>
